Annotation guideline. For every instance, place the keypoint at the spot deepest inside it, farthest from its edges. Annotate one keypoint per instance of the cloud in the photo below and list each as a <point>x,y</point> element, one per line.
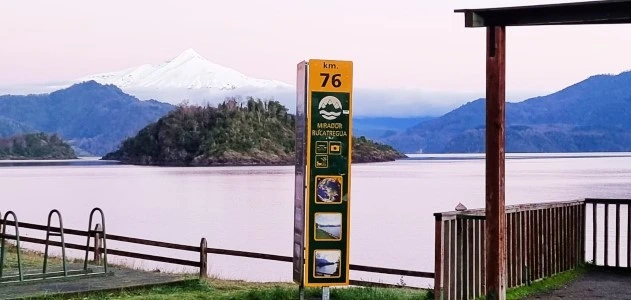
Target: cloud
<point>406,102</point>
<point>366,102</point>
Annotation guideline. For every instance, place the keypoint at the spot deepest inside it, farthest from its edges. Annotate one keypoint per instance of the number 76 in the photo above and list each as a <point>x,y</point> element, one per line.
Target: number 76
<point>335,79</point>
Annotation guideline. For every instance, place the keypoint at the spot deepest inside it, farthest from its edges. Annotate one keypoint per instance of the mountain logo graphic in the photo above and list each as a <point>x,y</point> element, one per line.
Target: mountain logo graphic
<point>330,107</point>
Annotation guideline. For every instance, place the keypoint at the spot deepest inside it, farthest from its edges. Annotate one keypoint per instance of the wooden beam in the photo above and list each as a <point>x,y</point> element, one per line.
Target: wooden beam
<point>495,155</point>
<point>580,13</point>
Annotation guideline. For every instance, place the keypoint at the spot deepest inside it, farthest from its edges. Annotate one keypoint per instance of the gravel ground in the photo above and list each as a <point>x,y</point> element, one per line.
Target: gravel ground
<point>598,283</point>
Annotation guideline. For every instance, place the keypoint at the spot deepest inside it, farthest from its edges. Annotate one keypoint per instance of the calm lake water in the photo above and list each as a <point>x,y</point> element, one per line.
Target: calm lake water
<point>251,208</point>
<point>333,231</point>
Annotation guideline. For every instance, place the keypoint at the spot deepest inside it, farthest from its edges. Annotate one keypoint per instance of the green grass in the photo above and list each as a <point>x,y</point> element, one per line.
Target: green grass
<point>29,258</point>
<point>323,235</point>
<point>237,290</point>
<point>544,285</point>
<point>217,288</point>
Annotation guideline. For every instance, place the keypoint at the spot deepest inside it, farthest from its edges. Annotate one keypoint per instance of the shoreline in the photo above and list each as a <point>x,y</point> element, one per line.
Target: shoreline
<point>167,165</point>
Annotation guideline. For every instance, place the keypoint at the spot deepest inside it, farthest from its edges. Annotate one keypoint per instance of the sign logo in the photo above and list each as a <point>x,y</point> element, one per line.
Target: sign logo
<point>330,108</point>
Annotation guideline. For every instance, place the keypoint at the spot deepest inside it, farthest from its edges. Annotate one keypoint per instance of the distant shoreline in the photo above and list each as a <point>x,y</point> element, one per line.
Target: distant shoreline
<point>80,161</point>
<point>98,161</point>
<point>167,165</point>
<point>515,156</point>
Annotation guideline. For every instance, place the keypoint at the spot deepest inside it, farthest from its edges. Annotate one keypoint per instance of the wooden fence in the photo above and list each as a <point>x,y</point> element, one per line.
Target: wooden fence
<point>202,249</point>
<point>541,240</point>
<point>600,256</point>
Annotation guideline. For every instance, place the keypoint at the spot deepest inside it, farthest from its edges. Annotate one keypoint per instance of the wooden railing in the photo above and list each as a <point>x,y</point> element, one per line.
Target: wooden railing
<point>541,240</point>
<point>203,251</point>
<point>601,228</point>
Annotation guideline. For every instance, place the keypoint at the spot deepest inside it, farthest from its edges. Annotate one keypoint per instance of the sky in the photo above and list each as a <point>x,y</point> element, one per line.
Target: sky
<point>395,45</point>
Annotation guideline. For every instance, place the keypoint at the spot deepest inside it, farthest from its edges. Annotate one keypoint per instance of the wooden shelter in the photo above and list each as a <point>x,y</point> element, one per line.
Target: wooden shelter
<point>496,20</point>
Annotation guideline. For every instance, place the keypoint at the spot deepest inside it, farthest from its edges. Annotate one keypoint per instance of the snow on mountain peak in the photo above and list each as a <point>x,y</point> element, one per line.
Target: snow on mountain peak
<point>190,52</point>
<point>188,70</point>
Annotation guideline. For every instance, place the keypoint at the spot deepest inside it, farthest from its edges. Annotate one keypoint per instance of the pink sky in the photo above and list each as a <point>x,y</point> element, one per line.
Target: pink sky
<point>394,44</point>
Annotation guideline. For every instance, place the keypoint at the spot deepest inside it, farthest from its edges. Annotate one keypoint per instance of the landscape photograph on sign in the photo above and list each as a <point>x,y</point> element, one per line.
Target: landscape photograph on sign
<point>328,189</point>
<point>328,226</point>
<point>327,263</point>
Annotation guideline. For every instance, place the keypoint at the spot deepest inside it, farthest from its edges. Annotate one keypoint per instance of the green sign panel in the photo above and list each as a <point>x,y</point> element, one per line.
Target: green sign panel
<point>328,163</point>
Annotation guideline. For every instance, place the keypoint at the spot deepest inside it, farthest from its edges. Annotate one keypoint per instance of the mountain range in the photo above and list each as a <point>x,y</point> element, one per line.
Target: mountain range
<point>93,118</point>
<point>592,115</point>
<point>192,78</point>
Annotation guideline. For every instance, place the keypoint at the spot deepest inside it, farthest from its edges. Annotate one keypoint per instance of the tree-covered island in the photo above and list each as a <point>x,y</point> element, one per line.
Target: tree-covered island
<point>253,132</point>
<point>35,146</point>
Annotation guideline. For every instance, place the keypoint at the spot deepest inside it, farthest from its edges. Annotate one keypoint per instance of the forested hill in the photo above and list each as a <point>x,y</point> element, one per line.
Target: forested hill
<point>254,132</point>
<point>91,117</point>
<point>35,146</point>
<point>592,115</point>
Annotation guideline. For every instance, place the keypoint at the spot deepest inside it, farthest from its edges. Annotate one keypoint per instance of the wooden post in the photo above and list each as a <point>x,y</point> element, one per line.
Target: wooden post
<point>203,259</point>
<point>606,228</point>
<point>617,249</point>
<point>97,243</point>
<point>495,154</point>
<point>438,257</point>
<point>594,233</point>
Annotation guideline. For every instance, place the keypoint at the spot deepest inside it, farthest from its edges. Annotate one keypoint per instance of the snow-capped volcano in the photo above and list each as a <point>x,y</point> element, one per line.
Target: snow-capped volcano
<point>188,70</point>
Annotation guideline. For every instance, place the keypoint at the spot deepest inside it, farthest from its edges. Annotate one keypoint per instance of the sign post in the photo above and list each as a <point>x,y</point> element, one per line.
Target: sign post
<point>328,146</point>
<point>299,193</point>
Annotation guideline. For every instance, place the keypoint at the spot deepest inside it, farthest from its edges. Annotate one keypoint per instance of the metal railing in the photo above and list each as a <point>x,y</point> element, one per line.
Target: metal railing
<point>50,232</point>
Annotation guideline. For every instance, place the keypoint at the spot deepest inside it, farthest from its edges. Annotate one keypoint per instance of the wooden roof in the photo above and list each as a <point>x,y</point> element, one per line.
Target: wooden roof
<point>578,13</point>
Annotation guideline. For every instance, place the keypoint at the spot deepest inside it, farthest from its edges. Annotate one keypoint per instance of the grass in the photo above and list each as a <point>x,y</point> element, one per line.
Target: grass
<point>544,285</point>
<point>321,234</point>
<point>215,288</point>
<point>219,289</point>
<point>237,290</point>
<point>29,258</point>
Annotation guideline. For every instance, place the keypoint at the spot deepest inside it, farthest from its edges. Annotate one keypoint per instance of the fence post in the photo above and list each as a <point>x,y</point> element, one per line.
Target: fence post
<point>97,243</point>
<point>583,236</point>
<point>438,257</point>
<point>203,259</point>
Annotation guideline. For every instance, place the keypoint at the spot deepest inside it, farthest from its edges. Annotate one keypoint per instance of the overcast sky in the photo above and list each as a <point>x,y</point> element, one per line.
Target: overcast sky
<point>407,44</point>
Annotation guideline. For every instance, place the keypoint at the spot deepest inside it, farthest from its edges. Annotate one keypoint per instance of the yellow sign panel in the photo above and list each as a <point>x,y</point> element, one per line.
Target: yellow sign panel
<point>330,76</point>
<point>328,167</point>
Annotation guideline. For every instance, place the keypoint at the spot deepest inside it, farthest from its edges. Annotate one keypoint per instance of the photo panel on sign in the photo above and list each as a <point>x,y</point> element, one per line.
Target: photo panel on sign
<point>328,226</point>
<point>328,189</point>
<point>327,263</point>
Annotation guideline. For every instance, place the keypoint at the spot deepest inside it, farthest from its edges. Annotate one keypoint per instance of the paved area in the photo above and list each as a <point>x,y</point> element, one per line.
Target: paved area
<point>595,284</point>
<point>116,278</point>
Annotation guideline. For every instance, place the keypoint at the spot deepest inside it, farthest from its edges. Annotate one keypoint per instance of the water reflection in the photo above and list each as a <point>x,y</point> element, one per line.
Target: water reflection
<point>251,208</point>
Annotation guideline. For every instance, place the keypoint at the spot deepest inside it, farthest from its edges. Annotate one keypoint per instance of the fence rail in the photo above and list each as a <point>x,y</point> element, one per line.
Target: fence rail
<point>202,250</point>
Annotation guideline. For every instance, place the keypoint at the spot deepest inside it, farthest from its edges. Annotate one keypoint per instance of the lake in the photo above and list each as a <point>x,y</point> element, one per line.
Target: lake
<point>251,208</point>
